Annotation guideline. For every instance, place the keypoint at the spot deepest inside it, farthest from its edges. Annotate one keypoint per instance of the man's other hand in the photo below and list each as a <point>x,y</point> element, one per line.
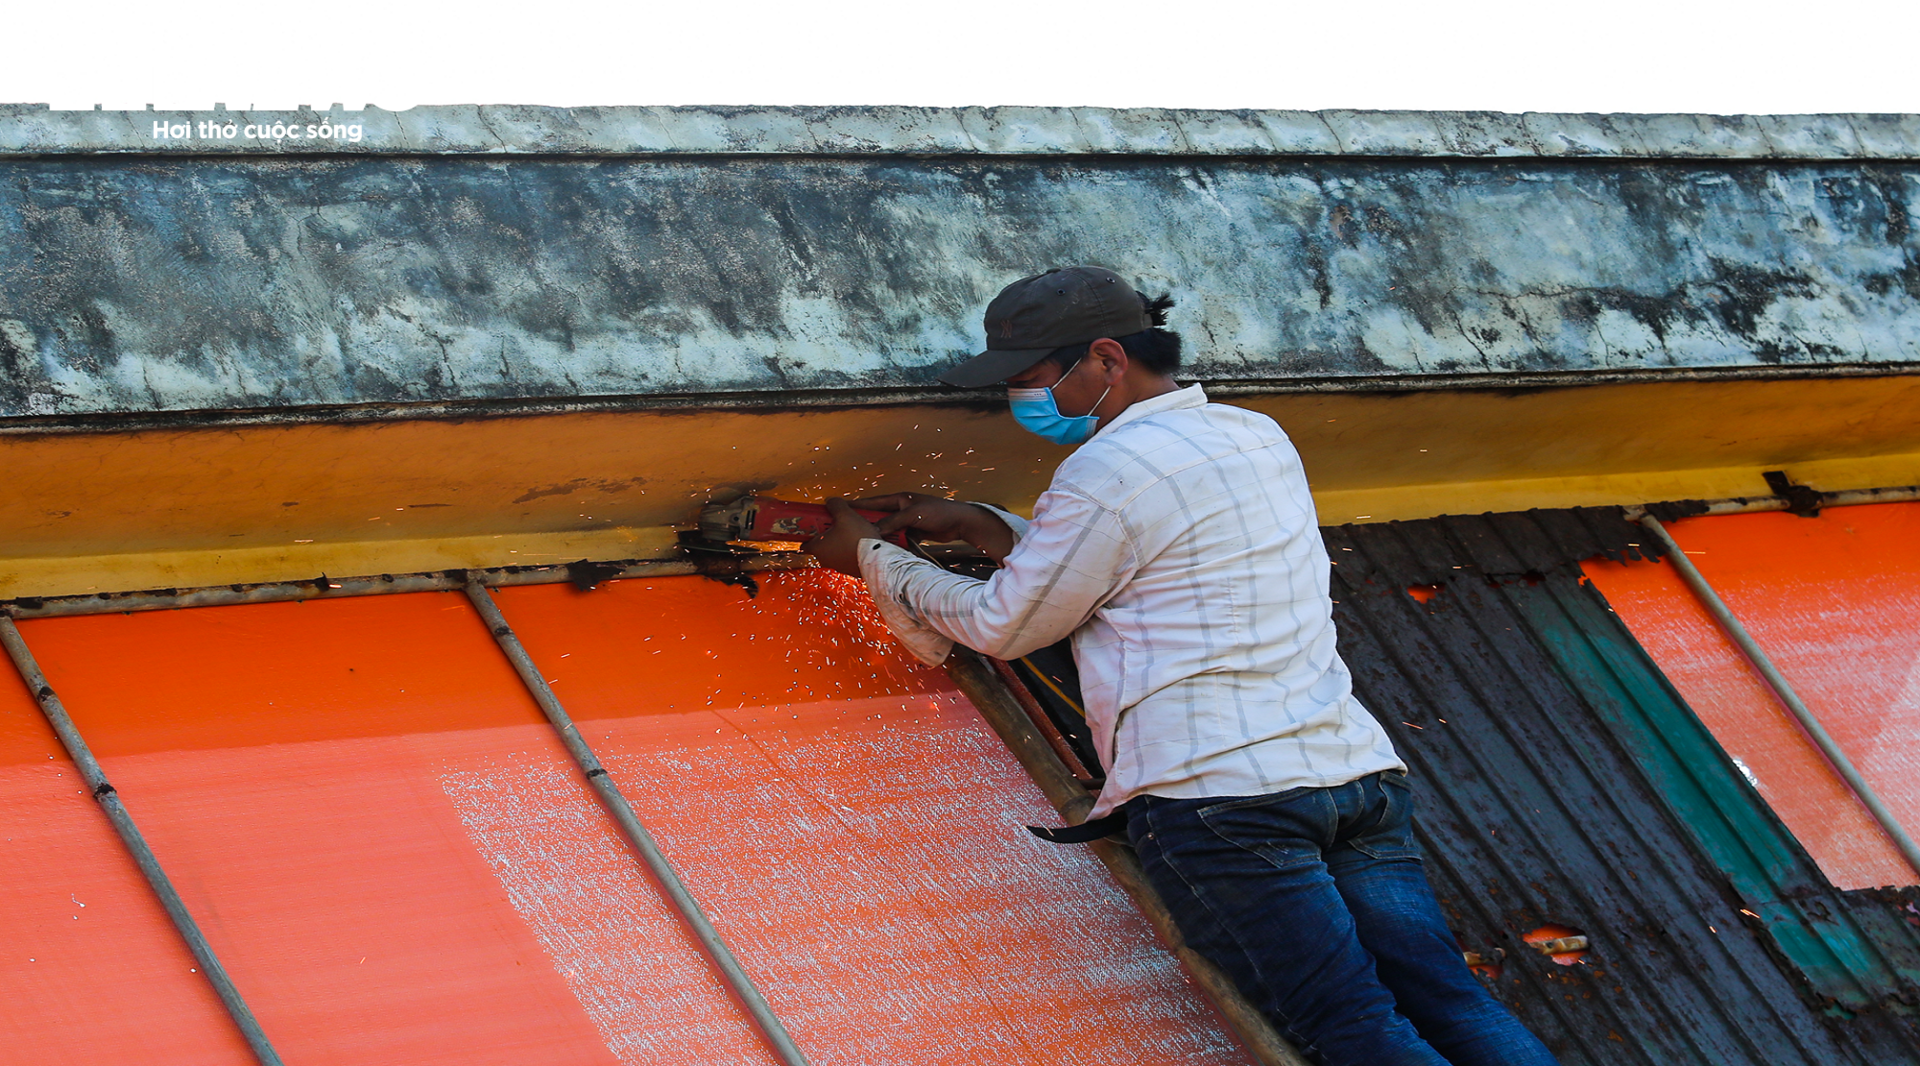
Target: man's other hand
<point>937,518</point>
<point>839,548</point>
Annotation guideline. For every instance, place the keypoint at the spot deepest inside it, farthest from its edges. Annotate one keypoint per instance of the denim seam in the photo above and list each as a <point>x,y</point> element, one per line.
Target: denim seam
<point>1249,801</point>
<point>1200,897</point>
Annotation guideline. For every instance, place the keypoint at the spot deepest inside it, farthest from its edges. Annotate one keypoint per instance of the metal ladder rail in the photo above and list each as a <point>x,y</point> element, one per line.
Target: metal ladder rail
<point>616,803</point>
<point>1730,624</point>
<point>116,811</point>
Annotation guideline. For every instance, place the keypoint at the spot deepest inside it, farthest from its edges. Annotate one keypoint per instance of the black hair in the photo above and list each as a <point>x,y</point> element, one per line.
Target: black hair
<point>1156,348</point>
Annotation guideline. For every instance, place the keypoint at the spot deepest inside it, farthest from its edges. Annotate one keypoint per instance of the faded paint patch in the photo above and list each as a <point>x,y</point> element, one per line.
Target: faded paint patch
<point>866,860</point>
<point>586,898</point>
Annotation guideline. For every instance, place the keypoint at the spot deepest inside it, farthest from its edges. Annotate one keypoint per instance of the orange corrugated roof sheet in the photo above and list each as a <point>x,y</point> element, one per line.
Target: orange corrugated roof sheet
<point>393,856</point>
<point>1835,601</point>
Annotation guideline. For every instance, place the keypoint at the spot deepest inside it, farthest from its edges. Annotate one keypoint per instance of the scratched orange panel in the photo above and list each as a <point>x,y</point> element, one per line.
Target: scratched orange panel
<point>1835,601</point>
<point>285,761</point>
<point>865,856</point>
<point>90,969</point>
<point>691,643</point>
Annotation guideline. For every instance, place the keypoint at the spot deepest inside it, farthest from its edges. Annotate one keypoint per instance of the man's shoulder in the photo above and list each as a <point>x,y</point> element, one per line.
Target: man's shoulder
<point>1112,466</point>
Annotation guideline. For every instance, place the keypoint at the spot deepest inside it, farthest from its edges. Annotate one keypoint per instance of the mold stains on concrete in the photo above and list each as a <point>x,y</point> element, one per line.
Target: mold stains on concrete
<point>202,284</point>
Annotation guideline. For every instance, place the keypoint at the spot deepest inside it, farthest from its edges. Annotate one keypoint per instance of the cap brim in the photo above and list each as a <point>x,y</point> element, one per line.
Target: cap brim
<point>990,367</point>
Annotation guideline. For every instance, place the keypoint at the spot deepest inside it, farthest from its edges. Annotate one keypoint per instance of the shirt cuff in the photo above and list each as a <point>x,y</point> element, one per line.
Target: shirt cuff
<point>878,561</point>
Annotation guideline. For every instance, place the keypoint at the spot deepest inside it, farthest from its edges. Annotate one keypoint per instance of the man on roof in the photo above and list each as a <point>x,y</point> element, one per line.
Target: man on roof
<point>1179,548</point>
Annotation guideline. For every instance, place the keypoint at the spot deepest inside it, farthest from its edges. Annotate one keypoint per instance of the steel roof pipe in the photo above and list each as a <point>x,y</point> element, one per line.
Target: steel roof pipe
<point>1855,781</point>
<point>116,811</point>
<point>616,803</point>
<point>1752,504</point>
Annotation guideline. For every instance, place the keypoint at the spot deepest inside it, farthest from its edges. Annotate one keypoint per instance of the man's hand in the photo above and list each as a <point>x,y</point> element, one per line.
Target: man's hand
<point>939,519</point>
<point>839,548</point>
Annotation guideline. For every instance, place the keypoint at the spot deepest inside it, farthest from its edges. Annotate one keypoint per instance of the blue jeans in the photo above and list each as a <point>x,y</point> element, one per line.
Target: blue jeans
<point>1314,902</point>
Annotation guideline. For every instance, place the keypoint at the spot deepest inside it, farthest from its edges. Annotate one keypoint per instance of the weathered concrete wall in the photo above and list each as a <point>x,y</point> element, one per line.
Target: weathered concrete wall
<point>198,283</point>
<point>920,131</point>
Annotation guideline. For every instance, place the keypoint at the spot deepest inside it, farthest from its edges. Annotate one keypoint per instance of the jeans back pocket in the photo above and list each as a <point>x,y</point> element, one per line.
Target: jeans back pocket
<point>1287,829</point>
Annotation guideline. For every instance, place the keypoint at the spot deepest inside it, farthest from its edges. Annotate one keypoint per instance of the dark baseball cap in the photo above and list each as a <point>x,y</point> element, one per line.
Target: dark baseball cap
<point>1034,316</point>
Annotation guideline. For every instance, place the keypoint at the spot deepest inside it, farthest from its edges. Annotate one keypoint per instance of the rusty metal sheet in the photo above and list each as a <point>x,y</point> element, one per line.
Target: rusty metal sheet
<point>1479,645</point>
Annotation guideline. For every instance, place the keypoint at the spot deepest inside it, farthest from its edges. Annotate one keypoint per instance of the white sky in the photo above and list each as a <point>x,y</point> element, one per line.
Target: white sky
<point>1505,55</point>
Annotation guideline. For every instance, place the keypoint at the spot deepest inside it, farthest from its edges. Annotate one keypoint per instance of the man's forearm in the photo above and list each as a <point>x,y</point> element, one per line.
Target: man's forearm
<point>989,533</point>
<point>1054,573</point>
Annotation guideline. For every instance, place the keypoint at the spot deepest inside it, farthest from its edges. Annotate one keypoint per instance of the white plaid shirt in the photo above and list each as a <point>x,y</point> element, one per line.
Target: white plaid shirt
<point>1180,549</point>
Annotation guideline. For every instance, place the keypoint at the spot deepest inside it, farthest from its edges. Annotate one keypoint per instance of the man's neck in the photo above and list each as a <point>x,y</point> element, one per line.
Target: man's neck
<point>1136,386</point>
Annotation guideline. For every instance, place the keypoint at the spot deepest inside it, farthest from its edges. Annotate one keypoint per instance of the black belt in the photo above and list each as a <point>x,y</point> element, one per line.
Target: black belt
<point>1096,829</point>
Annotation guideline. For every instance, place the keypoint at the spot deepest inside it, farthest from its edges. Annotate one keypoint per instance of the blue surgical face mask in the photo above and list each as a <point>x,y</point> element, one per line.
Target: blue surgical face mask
<point>1038,414</point>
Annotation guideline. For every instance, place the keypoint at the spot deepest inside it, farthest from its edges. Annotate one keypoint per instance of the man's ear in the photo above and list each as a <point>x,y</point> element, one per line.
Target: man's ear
<point>1113,358</point>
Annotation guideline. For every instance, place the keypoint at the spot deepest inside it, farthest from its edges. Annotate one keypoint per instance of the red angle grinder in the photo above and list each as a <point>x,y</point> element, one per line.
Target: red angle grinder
<point>765,518</point>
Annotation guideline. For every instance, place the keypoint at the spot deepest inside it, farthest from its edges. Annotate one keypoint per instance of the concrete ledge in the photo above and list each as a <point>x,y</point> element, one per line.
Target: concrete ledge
<point>517,130</point>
